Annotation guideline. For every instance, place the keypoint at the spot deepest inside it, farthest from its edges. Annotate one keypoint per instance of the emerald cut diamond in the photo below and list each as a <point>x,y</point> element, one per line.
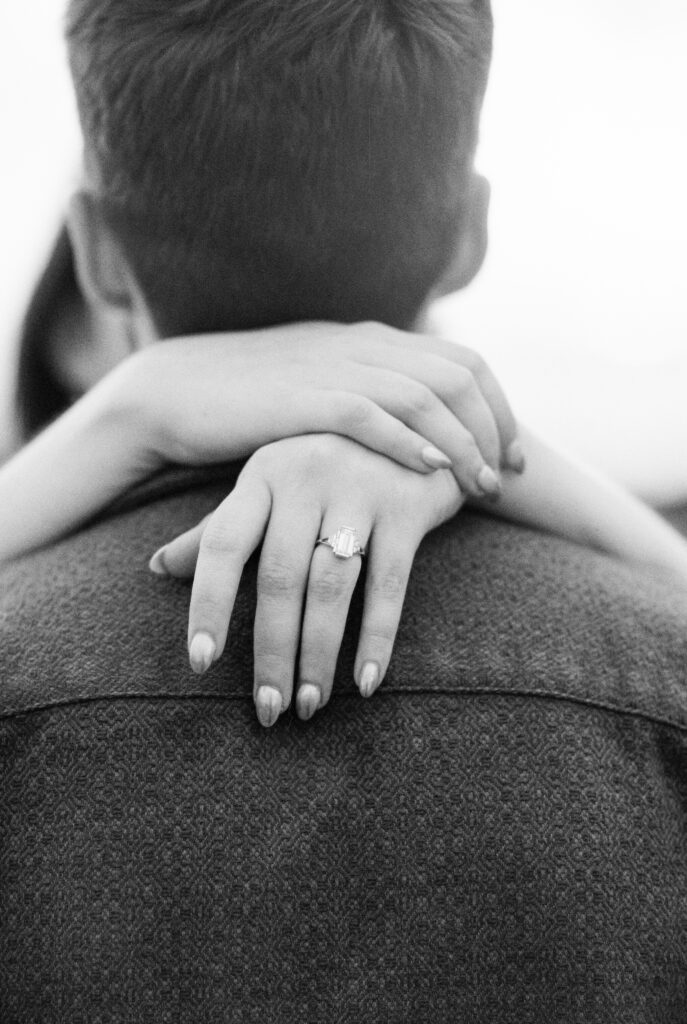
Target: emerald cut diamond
<point>344,542</point>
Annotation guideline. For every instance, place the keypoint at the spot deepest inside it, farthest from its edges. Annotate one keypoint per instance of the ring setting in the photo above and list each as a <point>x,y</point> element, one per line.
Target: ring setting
<point>344,543</point>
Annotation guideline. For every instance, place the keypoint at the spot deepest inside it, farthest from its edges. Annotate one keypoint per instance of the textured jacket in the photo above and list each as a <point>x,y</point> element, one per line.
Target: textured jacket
<point>499,835</point>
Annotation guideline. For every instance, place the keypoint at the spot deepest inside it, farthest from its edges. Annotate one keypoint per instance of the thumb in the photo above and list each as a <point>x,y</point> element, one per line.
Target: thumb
<point>178,558</point>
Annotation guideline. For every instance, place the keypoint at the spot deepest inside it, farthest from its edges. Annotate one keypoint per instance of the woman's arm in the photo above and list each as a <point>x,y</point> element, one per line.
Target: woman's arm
<point>293,492</point>
<point>423,402</point>
<point>565,497</point>
<point>85,459</point>
<point>289,495</point>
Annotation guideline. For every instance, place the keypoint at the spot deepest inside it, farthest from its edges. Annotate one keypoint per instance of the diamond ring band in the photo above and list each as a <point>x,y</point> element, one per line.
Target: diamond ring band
<point>344,543</point>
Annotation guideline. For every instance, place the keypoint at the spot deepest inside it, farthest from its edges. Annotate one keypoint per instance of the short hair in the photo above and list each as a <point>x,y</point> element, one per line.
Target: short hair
<point>267,161</point>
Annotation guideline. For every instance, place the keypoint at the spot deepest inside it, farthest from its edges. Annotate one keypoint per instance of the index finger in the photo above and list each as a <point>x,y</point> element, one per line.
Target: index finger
<point>232,534</point>
<point>506,423</point>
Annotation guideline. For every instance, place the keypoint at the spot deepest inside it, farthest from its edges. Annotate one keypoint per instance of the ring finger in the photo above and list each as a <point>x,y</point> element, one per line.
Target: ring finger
<point>331,584</point>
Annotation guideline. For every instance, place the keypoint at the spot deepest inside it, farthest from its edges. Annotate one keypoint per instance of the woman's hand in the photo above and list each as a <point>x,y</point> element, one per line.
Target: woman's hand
<point>291,493</point>
<point>422,401</point>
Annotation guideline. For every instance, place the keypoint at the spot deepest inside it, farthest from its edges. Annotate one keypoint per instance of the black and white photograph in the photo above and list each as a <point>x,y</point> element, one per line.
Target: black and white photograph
<point>343,512</point>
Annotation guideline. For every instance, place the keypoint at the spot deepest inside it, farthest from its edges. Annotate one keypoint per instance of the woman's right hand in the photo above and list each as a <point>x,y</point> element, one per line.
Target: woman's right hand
<point>422,401</point>
<point>293,493</point>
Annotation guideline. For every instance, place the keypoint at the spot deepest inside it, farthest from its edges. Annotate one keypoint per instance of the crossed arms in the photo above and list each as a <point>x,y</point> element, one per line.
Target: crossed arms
<point>365,426</point>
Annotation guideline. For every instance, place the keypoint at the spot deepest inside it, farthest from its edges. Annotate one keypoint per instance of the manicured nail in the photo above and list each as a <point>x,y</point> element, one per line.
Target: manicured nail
<point>488,482</point>
<point>515,457</point>
<point>268,705</point>
<point>369,678</point>
<point>431,456</point>
<point>202,652</point>
<point>157,563</point>
<point>308,700</point>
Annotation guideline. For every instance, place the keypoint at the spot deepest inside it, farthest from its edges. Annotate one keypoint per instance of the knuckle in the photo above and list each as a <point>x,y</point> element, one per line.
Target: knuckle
<point>462,383</point>
<point>315,454</point>
<point>219,539</point>
<point>207,606</point>
<point>357,412</point>
<point>470,456</point>
<point>473,361</point>
<point>391,583</point>
<point>379,636</point>
<point>277,579</point>
<point>376,329</point>
<point>328,586</point>
<point>478,365</point>
<point>399,493</point>
<point>420,399</point>
<point>297,461</point>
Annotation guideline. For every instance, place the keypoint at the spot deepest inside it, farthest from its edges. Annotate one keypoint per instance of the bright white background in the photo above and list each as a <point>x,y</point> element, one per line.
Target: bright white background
<point>582,305</point>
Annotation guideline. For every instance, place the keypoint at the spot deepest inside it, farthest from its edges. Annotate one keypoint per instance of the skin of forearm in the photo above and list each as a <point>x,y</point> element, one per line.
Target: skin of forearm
<point>104,444</point>
<point>563,497</point>
<point>75,467</point>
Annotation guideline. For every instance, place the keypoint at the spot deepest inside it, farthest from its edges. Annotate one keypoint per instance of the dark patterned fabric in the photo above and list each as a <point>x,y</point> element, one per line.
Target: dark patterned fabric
<point>498,836</point>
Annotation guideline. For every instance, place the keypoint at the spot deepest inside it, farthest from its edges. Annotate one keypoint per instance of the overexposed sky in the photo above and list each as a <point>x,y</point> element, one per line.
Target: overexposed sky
<point>582,304</point>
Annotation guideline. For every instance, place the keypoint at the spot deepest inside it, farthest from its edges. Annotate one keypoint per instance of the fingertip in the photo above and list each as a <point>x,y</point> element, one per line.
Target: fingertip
<point>157,563</point>
<point>434,458</point>
<point>268,705</point>
<point>369,678</point>
<point>202,652</point>
<point>489,483</point>
<point>308,701</point>
<point>178,558</point>
<point>515,457</point>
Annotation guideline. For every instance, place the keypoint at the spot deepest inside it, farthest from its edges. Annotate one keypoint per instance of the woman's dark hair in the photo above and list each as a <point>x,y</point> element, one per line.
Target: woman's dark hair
<point>39,395</point>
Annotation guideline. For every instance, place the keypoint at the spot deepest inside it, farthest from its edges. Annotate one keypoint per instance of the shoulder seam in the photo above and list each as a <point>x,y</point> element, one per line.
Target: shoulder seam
<point>541,695</point>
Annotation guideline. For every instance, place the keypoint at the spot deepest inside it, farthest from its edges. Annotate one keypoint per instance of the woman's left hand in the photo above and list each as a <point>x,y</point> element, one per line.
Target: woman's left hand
<point>290,494</point>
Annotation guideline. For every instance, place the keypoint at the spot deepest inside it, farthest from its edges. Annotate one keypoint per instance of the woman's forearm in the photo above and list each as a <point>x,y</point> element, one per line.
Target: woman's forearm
<point>75,467</point>
<point>216,398</point>
<point>566,498</point>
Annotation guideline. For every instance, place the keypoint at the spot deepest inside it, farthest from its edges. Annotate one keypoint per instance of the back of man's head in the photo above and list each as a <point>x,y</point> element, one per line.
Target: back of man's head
<point>272,160</point>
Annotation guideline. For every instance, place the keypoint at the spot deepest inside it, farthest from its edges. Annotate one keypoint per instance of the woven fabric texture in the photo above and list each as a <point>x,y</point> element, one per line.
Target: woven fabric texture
<point>500,835</point>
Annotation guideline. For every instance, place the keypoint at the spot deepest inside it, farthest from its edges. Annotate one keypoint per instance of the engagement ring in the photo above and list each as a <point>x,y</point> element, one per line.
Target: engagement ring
<point>344,543</point>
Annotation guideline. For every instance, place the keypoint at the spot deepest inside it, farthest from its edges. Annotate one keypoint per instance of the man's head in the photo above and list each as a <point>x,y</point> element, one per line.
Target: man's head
<point>263,161</point>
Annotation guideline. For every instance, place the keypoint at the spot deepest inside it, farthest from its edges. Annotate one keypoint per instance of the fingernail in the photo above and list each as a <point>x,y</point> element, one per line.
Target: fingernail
<point>157,563</point>
<point>434,458</point>
<point>202,652</point>
<point>308,700</point>
<point>369,678</point>
<point>488,482</point>
<point>515,457</point>
<point>268,705</point>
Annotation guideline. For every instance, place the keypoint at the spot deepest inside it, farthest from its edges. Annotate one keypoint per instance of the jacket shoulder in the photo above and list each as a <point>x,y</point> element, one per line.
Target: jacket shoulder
<point>490,608</point>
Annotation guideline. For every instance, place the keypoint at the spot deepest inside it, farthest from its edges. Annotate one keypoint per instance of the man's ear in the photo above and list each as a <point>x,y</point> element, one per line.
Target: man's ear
<point>471,244</point>
<point>100,264</point>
